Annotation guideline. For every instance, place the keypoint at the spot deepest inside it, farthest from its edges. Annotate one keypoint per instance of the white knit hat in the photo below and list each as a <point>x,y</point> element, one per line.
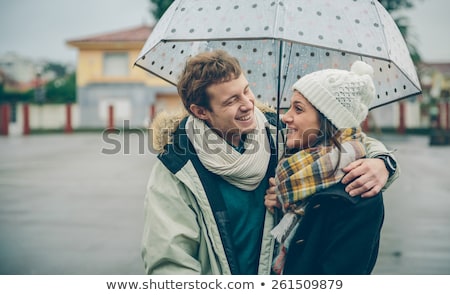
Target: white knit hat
<point>341,96</point>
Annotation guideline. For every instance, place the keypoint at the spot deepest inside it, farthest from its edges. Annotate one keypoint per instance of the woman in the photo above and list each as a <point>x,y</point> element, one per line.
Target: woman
<point>324,230</point>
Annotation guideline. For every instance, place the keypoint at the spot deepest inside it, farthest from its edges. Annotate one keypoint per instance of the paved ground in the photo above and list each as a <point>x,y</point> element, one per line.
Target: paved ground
<point>68,208</point>
<point>416,234</point>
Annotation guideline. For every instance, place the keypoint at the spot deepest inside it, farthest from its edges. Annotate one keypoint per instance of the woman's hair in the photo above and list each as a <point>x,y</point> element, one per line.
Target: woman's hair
<point>329,136</point>
<point>203,70</point>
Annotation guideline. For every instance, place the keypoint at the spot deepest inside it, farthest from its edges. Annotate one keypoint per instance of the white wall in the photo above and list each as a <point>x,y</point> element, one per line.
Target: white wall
<point>48,116</point>
<point>388,116</point>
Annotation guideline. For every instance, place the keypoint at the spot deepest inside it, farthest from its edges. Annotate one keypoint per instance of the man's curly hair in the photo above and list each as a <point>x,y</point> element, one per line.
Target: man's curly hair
<point>203,70</point>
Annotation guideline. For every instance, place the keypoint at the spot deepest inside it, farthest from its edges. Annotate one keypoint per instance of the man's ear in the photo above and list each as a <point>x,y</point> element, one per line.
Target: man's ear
<point>199,111</point>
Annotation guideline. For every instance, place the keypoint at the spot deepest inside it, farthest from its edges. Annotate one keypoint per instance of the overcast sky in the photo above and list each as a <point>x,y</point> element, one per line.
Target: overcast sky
<point>40,28</point>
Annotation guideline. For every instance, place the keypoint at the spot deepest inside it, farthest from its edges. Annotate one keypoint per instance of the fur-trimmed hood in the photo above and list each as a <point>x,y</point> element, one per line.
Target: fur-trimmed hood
<point>166,123</point>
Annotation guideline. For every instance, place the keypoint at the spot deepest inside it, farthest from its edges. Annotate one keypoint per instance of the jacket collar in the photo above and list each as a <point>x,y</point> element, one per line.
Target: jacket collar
<point>165,125</point>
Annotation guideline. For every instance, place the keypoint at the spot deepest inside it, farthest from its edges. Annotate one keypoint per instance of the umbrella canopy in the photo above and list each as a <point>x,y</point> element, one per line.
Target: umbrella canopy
<point>277,42</point>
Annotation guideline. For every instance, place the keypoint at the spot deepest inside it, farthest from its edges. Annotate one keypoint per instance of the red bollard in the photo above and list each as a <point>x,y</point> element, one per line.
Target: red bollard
<point>110,117</point>
<point>26,119</point>
<point>68,127</point>
<point>152,112</point>
<point>447,105</point>
<point>4,119</point>
<point>402,126</point>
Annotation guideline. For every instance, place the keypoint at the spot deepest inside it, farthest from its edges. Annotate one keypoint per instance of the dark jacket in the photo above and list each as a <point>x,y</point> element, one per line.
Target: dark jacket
<point>338,234</point>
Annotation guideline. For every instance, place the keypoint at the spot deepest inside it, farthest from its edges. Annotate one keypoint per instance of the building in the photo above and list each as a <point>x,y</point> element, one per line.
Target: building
<point>107,80</point>
<point>430,109</point>
<point>435,79</point>
<point>20,69</point>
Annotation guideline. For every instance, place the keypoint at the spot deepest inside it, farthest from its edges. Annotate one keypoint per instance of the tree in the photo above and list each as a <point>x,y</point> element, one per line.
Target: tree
<point>9,92</point>
<point>61,90</point>
<point>59,69</point>
<point>159,7</point>
<point>393,7</point>
<point>14,96</point>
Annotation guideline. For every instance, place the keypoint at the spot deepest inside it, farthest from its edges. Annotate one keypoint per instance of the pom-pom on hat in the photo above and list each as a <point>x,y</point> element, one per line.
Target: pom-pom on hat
<point>341,96</point>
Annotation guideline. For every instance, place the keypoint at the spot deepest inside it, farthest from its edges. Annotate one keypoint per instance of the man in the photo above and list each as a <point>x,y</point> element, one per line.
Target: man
<point>204,206</point>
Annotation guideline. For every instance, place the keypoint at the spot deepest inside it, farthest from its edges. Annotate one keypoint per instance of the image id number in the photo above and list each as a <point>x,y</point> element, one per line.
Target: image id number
<point>307,284</point>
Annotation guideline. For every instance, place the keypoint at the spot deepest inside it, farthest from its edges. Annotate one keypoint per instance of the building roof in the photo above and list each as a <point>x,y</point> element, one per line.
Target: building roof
<point>132,35</point>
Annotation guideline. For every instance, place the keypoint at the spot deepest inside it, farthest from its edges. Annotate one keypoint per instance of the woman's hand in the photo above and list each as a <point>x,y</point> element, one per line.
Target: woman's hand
<point>270,199</point>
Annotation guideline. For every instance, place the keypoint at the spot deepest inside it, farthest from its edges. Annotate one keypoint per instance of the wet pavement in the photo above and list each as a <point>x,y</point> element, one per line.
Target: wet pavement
<point>416,232</point>
<point>66,207</point>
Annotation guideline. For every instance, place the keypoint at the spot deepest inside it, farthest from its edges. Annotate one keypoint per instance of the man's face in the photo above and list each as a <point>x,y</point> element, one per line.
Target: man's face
<point>232,109</point>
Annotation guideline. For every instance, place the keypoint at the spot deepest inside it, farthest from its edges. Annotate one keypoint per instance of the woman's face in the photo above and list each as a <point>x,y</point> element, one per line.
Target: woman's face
<point>302,123</point>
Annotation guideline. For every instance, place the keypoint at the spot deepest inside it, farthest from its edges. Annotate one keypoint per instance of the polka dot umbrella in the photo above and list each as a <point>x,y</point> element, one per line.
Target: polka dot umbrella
<point>277,42</point>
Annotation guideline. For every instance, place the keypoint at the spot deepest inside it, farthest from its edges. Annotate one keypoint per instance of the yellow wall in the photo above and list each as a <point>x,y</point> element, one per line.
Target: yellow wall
<point>90,69</point>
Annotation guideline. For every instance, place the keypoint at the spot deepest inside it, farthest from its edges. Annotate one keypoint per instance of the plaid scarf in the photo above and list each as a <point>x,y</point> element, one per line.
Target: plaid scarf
<point>311,170</point>
<point>305,173</point>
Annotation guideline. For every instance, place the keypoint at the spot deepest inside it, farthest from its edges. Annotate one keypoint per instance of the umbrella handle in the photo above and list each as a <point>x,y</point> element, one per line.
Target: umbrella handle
<point>280,55</point>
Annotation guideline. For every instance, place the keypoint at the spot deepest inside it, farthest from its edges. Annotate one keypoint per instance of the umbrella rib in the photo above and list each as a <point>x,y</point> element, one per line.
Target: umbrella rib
<point>278,97</point>
<point>148,71</point>
<point>386,43</point>
<point>398,99</point>
<point>418,87</point>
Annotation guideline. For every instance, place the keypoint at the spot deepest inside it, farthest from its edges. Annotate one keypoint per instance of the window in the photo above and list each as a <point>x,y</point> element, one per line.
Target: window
<point>115,64</point>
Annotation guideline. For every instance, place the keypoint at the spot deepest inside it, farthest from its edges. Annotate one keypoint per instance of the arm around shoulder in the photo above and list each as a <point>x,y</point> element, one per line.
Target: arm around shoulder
<point>376,149</point>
